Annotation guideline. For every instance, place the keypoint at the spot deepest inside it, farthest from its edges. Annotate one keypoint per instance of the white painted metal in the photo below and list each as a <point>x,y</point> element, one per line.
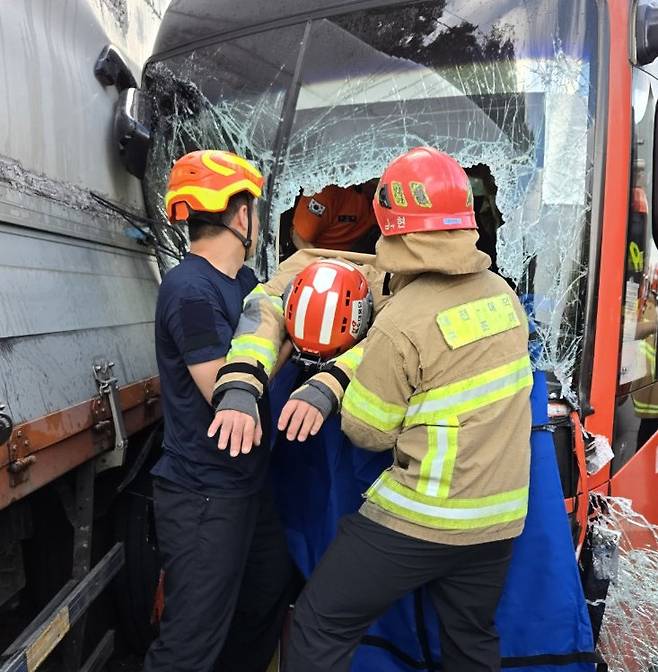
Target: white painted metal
<point>73,286</point>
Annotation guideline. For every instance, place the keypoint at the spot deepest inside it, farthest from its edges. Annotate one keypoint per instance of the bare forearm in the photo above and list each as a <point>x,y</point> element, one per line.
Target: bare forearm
<point>204,376</point>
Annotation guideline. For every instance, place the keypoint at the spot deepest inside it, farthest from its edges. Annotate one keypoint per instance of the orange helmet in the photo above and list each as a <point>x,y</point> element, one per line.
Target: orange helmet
<point>204,181</point>
<point>327,309</point>
<point>424,190</point>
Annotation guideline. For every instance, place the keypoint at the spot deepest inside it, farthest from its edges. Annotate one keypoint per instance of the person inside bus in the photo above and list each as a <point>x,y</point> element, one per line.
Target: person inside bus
<point>337,218</point>
<point>487,215</point>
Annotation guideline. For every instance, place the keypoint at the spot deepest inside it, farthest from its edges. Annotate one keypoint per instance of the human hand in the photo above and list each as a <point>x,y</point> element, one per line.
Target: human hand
<point>301,420</point>
<point>237,430</point>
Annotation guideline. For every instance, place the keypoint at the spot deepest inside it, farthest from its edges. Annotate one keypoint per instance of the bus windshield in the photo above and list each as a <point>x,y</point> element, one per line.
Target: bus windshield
<point>507,88</point>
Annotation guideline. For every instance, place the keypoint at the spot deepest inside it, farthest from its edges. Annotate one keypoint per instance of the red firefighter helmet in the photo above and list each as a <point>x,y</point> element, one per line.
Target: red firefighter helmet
<point>327,309</point>
<point>204,181</point>
<point>424,190</point>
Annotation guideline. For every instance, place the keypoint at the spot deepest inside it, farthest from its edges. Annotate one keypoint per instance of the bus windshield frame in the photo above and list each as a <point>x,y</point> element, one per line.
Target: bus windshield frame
<point>333,100</point>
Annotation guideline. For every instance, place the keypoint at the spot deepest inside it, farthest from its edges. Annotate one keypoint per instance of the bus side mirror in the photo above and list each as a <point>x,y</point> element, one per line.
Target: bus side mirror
<point>111,69</point>
<point>132,130</point>
<point>132,112</point>
<point>646,32</point>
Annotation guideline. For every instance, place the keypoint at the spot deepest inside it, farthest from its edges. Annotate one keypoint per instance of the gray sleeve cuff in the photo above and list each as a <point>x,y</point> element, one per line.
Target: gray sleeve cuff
<point>318,395</point>
<point>239,400</point>
<point>220,391</point>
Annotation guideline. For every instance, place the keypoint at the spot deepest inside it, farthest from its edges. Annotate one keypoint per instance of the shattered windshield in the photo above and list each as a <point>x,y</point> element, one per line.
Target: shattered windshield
<point>332,102</point>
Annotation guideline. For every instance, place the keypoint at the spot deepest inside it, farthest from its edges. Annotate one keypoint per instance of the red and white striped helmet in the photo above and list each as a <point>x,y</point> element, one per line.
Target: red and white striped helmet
<point>327,309</point>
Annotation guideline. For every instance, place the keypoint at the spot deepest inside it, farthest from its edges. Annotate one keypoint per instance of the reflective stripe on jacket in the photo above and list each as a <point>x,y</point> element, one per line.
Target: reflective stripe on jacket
<point>444,380</point>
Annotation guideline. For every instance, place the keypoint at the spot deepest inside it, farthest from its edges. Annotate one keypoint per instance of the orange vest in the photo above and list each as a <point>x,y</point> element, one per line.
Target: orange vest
<point>334,219</point>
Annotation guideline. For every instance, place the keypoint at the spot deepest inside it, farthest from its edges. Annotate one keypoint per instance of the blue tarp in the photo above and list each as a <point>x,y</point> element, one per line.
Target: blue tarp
<point>542,611</point>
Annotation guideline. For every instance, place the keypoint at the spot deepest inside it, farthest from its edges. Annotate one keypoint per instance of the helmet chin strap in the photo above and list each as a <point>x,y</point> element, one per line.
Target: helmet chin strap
<point>245,240</point>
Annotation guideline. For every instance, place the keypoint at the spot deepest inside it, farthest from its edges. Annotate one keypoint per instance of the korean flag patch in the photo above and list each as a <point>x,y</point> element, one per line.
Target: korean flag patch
<point>316,208</point>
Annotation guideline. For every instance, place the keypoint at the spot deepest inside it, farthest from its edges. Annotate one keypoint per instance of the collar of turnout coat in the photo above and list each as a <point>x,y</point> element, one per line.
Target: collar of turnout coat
<point>446,252</point>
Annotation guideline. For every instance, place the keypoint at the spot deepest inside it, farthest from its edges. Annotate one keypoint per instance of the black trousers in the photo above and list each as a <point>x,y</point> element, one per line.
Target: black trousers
<point>368,567</point>
<point>228,579</point>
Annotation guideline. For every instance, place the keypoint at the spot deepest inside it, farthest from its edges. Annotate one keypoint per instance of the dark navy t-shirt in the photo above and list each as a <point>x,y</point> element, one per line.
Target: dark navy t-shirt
<point>196,315</point>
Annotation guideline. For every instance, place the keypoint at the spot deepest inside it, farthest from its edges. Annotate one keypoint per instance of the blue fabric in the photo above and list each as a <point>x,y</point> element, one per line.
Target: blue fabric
<point>542,610</point>
<point>318,481</point>
<point>197,312</point>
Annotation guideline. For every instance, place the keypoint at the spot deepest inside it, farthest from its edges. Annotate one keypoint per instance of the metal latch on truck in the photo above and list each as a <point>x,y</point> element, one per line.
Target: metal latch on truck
<point>108,388</point>
<point>17,467</point>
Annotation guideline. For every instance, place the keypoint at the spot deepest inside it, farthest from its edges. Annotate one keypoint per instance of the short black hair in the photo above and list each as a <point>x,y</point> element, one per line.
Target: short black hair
<point>211,224</point>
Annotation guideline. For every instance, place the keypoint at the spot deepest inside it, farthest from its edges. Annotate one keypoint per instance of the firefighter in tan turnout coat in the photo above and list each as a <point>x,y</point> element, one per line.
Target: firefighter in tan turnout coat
<point>443,379</point>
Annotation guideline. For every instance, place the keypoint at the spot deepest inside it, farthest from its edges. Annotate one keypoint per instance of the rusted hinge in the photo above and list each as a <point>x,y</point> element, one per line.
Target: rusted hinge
<point>18,467</point>
<point>151,398</point>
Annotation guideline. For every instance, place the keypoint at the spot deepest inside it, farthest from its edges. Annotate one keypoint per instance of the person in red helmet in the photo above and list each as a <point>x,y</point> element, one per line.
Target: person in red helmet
<point>326,308</point>
<point>443,379</point>
<point>227,572</point>
<point>322,301</point>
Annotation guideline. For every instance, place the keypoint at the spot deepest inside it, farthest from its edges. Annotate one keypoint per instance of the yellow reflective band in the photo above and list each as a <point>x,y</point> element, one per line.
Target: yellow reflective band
<point>352,358</point>
<point>431,408</point>
<point>259,292</point>
<point>370,409</point>
<point>636,257</point>
<point>443,513</point>
<point>398,194</point>
<point>471,322</point>
<point>419,193</point>
<point>214,200</point>
<point>207,160</point>
<point>438,464</point>
<point>243,163</point>
<point>649,352</point>
<point>647,409</point>
<point>277,302</point>
<point>257,348</point>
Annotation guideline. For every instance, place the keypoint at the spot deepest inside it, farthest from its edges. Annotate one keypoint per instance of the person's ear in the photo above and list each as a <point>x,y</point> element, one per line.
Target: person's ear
<point>242,219</point>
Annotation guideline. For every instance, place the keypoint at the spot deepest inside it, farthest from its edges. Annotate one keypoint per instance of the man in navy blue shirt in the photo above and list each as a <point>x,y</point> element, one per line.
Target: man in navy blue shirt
<point>227,569</point>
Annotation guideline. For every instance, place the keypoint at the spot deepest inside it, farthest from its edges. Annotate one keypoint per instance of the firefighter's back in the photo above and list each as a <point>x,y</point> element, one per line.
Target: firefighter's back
<point>462,456</point>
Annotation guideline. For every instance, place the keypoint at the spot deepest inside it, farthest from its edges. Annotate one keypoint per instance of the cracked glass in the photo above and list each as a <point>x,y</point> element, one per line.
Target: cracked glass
<point>510,96</point>
<point>226,96</point>
<point>625,552</point>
